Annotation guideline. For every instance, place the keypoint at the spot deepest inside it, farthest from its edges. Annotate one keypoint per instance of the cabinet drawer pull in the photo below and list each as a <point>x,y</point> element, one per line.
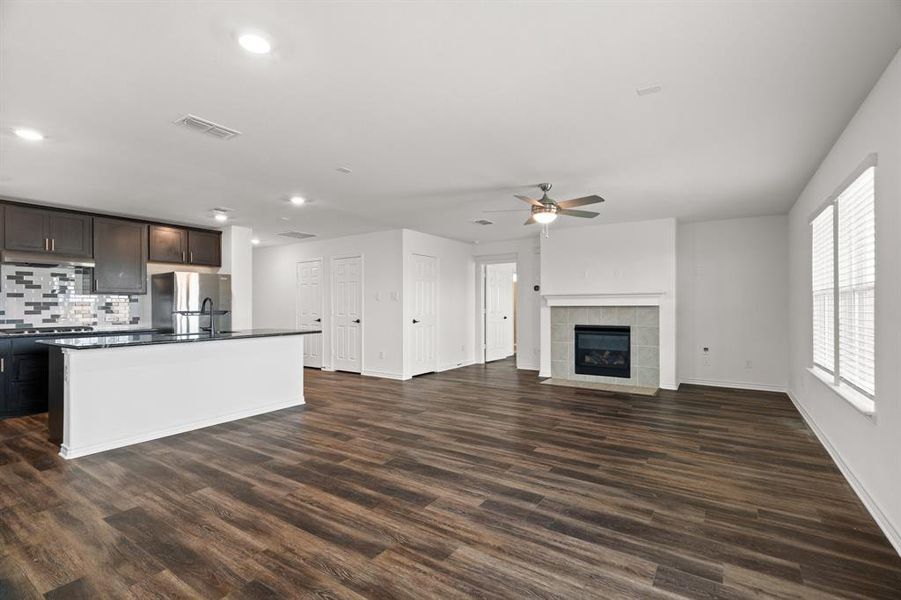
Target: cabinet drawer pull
<point>46,244</point>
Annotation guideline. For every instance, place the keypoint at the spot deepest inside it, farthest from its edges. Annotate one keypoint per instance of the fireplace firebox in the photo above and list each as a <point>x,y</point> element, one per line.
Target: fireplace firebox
<point>603,350</point>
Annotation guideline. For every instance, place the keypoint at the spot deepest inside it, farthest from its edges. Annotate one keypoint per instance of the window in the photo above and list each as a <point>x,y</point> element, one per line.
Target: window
<point>843,272</point>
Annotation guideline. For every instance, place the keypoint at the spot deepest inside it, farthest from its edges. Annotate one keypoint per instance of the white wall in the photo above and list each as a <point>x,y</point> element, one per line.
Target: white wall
<point>275,294</point>
<point>237,260</point>
<point>621,258</point>
<point>528,301</point>
<point>866,449</point>
<point>456,286</point>
<point>733,299</point>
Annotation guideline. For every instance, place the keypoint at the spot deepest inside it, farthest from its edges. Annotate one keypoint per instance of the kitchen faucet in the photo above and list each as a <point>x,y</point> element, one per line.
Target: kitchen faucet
<point>212,314</point>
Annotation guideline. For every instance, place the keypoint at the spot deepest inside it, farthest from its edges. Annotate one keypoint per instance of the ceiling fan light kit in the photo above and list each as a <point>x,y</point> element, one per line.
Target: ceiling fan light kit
<point>546,210</point>
<point>544,215</point>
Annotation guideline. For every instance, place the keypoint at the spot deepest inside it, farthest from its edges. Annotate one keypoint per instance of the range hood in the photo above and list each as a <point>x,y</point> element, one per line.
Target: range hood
<point>39,259</point>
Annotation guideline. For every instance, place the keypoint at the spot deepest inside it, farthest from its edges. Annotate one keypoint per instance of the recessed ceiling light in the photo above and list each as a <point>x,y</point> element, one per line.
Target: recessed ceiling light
<point>255,241</point>
<point>32,135</point>
<point>297,200</point>
<point>254,43</point>
<point>345,170</point>
<point>221,217</point>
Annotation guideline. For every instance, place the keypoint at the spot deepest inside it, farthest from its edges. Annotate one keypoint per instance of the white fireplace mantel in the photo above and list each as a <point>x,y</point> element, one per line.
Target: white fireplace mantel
<point>630,299</point>
<point>665,301</point>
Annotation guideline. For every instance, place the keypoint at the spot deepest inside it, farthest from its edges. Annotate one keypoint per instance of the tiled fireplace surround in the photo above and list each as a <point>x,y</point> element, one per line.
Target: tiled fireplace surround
<point>644,324</point>
<point>650,308</point>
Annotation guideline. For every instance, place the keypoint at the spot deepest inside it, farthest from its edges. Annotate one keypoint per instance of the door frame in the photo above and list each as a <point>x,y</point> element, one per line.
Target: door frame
<point>480,262</point>
<point>333,296</point>
<point>321,303</point>
<point>408,323</point>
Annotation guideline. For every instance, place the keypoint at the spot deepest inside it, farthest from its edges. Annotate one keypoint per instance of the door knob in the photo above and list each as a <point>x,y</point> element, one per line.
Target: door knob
<point>319,320</point>
<point>505,316</point>
<point>415,321</point>
<point>356,320</point>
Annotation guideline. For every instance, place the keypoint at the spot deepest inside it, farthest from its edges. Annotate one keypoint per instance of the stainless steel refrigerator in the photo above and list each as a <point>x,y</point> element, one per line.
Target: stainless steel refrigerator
<point>176,300</point>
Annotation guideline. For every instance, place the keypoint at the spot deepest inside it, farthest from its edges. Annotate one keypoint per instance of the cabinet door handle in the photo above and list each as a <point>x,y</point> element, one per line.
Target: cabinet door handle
<point>96,285</point>
<point>184,256</point>
<point>415,321</point>
<point>2,365</point>
<point>356,320</point>
<point>192,257</point>
<point>53,245</point>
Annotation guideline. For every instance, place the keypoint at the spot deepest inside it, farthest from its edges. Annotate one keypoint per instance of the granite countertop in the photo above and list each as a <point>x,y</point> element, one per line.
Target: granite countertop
<point>6,334</point>
<point>149,339</point>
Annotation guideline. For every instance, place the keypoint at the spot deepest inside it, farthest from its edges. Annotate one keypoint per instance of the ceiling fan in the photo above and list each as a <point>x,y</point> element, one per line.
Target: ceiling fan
<point>546,210</point>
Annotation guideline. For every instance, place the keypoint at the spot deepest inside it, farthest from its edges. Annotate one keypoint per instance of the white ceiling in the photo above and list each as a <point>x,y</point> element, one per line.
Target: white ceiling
<point>440,109</point>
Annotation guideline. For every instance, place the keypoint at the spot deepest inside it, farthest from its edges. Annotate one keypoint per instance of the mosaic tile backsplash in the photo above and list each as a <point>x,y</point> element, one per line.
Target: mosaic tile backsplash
<point>47,296</point>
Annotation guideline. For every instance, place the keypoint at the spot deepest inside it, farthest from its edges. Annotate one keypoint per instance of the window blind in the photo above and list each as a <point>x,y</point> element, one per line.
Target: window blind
<point>857,282</point>
<point>823,292</point>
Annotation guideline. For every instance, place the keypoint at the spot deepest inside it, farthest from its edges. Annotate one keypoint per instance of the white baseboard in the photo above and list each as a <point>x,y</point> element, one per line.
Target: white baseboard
<point>384,374</point>
<point>455,365</point>
<point>740,385</point>
<point>893,535</point>
<point>69,453</point>
<point>527,366</point>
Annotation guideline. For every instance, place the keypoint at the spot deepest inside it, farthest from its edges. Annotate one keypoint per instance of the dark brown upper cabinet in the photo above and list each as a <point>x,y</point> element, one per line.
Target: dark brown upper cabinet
<point>185,246</point>
<point>168,244</point>
<point>204,248</point>
<point>47,231</point>
<point>120,257</point>
<point>26,229</point>
<point>70,234</point>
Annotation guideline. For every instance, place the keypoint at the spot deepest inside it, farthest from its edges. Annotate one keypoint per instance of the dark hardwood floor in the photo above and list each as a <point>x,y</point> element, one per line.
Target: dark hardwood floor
<point>477,482</point>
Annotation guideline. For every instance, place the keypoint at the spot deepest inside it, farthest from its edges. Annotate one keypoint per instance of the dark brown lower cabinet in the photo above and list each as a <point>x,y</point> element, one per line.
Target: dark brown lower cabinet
<point>23,382</point>
<point>5,354</point>
<point>120,257</point>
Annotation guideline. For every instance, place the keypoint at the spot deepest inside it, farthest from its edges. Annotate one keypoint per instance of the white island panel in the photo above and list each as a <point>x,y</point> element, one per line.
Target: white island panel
<point>118,396</point>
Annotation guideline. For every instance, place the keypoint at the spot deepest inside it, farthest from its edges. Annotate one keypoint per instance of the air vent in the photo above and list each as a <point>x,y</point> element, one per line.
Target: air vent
<point>654,89</point>
<point>482,222</point>
<point>208,127</point>
<point>297,235</point>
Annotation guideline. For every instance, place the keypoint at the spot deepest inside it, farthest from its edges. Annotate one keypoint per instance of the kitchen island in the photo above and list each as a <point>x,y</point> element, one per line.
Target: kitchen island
<point>111,391</point>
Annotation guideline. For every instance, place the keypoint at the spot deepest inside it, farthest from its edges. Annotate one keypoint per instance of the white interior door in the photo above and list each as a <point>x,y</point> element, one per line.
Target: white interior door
<point>309,309</point>
<point>347,341</point>
<point>424,328</point>
<point>499,311</point>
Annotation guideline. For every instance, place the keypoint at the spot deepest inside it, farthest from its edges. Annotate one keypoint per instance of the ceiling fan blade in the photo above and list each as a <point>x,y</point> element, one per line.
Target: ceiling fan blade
<point>528,200</point>
<point>531,220</point>
<point>577,213</point>
<point>519,210</point>
<point>579,201</point>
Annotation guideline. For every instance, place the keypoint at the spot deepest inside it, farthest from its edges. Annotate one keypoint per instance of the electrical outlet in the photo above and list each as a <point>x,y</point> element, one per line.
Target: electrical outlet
<point>749,364</point>
<point>381,355</point>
